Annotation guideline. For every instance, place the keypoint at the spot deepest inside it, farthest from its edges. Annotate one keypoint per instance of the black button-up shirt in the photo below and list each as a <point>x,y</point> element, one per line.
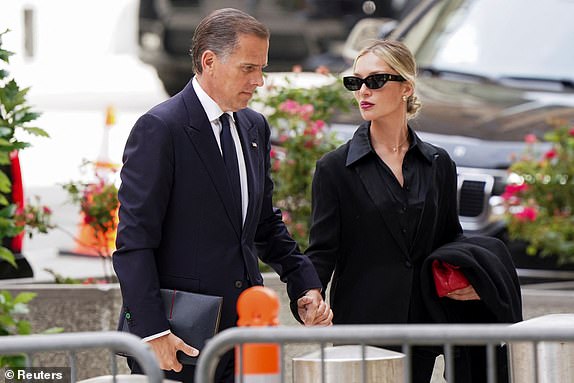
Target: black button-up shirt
<point>405,201</point>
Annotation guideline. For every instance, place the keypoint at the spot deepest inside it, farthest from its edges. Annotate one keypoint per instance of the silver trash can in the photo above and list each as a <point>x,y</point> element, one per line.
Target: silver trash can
<point>343,364</point>
<point>549,362</point>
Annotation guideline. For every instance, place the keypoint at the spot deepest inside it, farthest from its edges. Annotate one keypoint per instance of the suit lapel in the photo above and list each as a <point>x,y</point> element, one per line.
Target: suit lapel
<point>250,146</point>
<point>374,185</point>
<point>201,135</point>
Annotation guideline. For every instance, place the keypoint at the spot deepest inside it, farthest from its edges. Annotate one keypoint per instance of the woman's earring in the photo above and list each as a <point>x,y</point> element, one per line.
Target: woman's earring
<point>405,98</point>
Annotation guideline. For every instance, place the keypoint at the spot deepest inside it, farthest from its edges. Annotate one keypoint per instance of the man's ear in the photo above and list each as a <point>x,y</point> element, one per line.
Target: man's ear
<point>207,61</point>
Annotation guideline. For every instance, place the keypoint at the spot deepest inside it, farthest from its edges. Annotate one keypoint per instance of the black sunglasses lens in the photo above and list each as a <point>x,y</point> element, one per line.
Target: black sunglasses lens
<point>352,83</point>
<point>375,81</point>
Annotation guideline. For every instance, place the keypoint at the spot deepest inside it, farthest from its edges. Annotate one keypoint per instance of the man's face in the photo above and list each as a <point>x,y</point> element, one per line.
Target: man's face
<point>231,80</point>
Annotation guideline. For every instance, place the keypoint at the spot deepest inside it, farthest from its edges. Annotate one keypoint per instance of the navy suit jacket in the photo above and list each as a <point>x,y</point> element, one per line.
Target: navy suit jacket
<point>176,228</point>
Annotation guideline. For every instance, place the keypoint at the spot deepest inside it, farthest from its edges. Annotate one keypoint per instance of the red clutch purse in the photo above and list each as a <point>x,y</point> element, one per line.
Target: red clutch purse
<point>447,278</point>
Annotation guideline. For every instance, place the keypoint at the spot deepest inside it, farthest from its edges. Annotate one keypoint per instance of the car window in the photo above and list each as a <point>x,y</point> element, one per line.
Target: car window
<point>497,39</point>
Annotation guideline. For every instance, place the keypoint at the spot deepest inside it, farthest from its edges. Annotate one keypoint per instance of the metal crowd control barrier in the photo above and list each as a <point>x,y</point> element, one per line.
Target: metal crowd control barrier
<point>448,336</point>
<point>72,342</point>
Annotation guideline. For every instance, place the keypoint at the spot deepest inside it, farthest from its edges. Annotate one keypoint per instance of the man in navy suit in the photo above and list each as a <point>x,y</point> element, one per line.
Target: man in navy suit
<point>185,223</point>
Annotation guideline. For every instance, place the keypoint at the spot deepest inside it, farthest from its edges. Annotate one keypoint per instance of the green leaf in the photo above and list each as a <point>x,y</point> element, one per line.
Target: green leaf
<point>53,330</point>
<point>27,117</point>
<point>25,297</point>
<point>7,256</point>
<point>5,55</point>
<point>13,96</point>
<point>5,184</point>
<point>36,131</point>
<point>3,200</point>
<point>19,145</point>
<point>8,211</point>
<point>24,327</point>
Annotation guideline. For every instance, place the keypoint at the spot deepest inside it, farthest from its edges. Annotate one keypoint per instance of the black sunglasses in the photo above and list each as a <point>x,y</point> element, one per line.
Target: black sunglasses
<point>374,81</point>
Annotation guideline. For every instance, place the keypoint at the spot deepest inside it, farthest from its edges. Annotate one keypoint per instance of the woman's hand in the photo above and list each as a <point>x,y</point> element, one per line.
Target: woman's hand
<point>467,293</point>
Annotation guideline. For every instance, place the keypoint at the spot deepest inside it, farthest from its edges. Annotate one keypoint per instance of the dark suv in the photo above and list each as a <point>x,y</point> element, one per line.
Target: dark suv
<point>490,73</point>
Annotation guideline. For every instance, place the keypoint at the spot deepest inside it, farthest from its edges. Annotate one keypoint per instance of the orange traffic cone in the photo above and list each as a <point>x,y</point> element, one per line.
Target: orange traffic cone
<point>88,241</point>
<point>258,306</point>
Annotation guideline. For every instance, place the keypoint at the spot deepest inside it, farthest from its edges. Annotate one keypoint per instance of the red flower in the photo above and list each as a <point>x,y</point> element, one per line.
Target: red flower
<point>511,190</point>
<point>550,154</point>
<point>309,144</point>
<point>47,210</point>
<point>571,131</point>
<point>527,214</point>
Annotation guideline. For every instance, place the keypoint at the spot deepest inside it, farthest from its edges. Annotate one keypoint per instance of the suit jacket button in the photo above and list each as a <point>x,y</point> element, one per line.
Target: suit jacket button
<point>238,284</point>
<point>408,264</point>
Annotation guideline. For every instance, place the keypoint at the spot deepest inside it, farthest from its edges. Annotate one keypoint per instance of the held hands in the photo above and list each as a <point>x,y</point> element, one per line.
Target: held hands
<point>165,349</point>
<point>313,310</point>
<point>465,294</point>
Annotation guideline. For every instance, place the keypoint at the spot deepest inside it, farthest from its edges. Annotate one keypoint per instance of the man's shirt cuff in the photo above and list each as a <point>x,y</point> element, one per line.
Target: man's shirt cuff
<point>155,336</point>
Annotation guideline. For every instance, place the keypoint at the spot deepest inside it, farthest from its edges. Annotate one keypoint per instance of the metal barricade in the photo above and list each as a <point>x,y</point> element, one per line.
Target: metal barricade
<point>72,342</point>
<point>447,336</point>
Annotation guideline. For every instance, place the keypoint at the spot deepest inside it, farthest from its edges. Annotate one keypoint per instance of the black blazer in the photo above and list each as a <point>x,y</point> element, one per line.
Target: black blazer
<point>356,236</point>
<point>175,228</point>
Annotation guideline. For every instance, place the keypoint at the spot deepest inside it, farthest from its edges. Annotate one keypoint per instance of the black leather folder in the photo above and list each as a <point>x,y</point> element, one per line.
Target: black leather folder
<point>192,317</point>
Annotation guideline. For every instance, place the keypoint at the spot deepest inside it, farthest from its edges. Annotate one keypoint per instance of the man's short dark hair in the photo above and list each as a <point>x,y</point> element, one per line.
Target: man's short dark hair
<point>220,31</point>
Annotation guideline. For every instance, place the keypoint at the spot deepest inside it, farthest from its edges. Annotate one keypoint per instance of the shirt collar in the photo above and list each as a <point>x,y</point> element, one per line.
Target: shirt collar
<point>211,108</point>
<point>360,145</point>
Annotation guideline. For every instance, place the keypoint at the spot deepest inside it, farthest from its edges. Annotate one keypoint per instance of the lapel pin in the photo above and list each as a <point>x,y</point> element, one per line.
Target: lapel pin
<point>254,144</point>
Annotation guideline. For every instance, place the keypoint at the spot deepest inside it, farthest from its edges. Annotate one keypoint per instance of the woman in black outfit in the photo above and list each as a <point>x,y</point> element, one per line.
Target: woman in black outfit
<point>382,203</point>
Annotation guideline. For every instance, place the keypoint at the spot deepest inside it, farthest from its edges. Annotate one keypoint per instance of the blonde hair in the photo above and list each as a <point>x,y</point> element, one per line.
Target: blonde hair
<point>401,60</point>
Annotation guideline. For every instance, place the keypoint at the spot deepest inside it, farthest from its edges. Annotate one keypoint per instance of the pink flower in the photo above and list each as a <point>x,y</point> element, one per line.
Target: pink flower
<point>530,138</point>
<point>527,214</point>
<point>286,217</point>
<point>306,111</point>
<point>47,210</point>
<point>571,131</point>
<point>320,124</point>
<point>289,106</point>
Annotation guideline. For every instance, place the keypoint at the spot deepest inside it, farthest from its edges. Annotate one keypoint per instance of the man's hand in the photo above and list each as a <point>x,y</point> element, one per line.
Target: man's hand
<point>465,294</point>
<point>165,349</point>
<point>313,310</point>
